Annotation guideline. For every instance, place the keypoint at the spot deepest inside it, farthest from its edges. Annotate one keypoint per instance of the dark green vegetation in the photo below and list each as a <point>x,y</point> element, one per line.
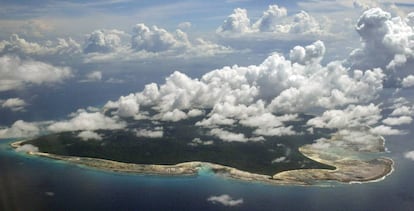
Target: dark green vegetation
<point>174,147</point>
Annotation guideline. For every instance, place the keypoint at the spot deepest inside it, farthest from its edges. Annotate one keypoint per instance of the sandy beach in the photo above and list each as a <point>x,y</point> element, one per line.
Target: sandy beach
<point>347,170</point>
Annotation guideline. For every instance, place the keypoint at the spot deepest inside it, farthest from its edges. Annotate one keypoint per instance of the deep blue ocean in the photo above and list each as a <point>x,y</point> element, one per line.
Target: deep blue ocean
<point>32,183</point>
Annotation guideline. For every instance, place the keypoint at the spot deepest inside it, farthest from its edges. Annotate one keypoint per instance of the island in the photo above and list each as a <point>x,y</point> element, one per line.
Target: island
<point>184,149</point>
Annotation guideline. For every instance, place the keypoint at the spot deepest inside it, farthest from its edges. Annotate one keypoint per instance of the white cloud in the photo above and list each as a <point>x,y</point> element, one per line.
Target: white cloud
<point>225,200</point>
<point>157,132</point>
<point>279,160</point>
<point>359,139</point>
<point>151,42</point>
<point>127,106</point>
<point>184,25</point>
<point>238,22</point>
<point>20,129</point>
<point>387,41</point>
<point>398,120</point>
<point>197,142</point>
<point>83,120</point>
<point>103,41</point>
<point>27,148</point>
<point>274,21</point>
<point>94,76</point>
<point>195,112</point>
<point>17,73</point>
<point>263,120</point>
<point>270,18</point>
<point>310,54</point>
<point>268,124</point>
<point>409,155</point>
<point>20,46</point>
<point>386,131</point>
<point>228,136</point>
<point>89,135</point>
<point>173,116</point>
<point>277,85</point>
<point>304,23</point>
<point>408,81</point>
<point>410,19</point>
<point>275,131</point>
<point>402,110</point>
<point>215,120</point>
<point>352,116</point>
<point>14,104</point>
<point>155,39</point>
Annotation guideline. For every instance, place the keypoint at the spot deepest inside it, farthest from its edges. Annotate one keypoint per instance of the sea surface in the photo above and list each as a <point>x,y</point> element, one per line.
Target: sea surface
<point>33,183</point>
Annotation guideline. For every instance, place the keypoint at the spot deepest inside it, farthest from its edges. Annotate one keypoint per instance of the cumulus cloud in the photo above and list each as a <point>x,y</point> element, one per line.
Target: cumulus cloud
<point>275,131</point>
<point>409,155</point>
<point>94,76</point>
<point>198,142</point>
<point>238,22</point>
<point>14,104</point>
<point>356,139</point>
<point>225,200</point>
<point>155,39</point>
<point>83,120</point>
<point>408,81</point>
<point>410,19</point>
<point>268,124</point>
<point>270,19</point>
<point>184,25</point>
<point>157,132</point>
<point>148,42</point>
<point>215,120</point>
<point>386,131</point>
<point>351,117</point>
<point>304,23</point>
<point>17,73</point>
<point>127,106</point>
<point>27,148</point>
<point>402,110</point>
<point>274,21</point>
<point>103,41</point>
<point>228,136</point>
<point>387,41</point>
<point>309,54</point>
<point>20,129</point>
<point>173,116</point>
<point>89,135</point>
<point>20,46</point>
<point>250,96</point>
<point>195,112</point>
<point>398,120</point>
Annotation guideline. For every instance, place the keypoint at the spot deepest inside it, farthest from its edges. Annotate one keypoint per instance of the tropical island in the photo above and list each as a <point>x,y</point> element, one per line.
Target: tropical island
<point>184,149</point>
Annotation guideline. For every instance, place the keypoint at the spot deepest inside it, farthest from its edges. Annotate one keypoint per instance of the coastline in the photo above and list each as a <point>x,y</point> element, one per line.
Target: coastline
<point>347,170</point>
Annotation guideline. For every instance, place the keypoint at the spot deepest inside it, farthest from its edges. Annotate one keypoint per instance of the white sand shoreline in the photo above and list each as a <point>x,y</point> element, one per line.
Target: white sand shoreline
<point>292,177</point>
